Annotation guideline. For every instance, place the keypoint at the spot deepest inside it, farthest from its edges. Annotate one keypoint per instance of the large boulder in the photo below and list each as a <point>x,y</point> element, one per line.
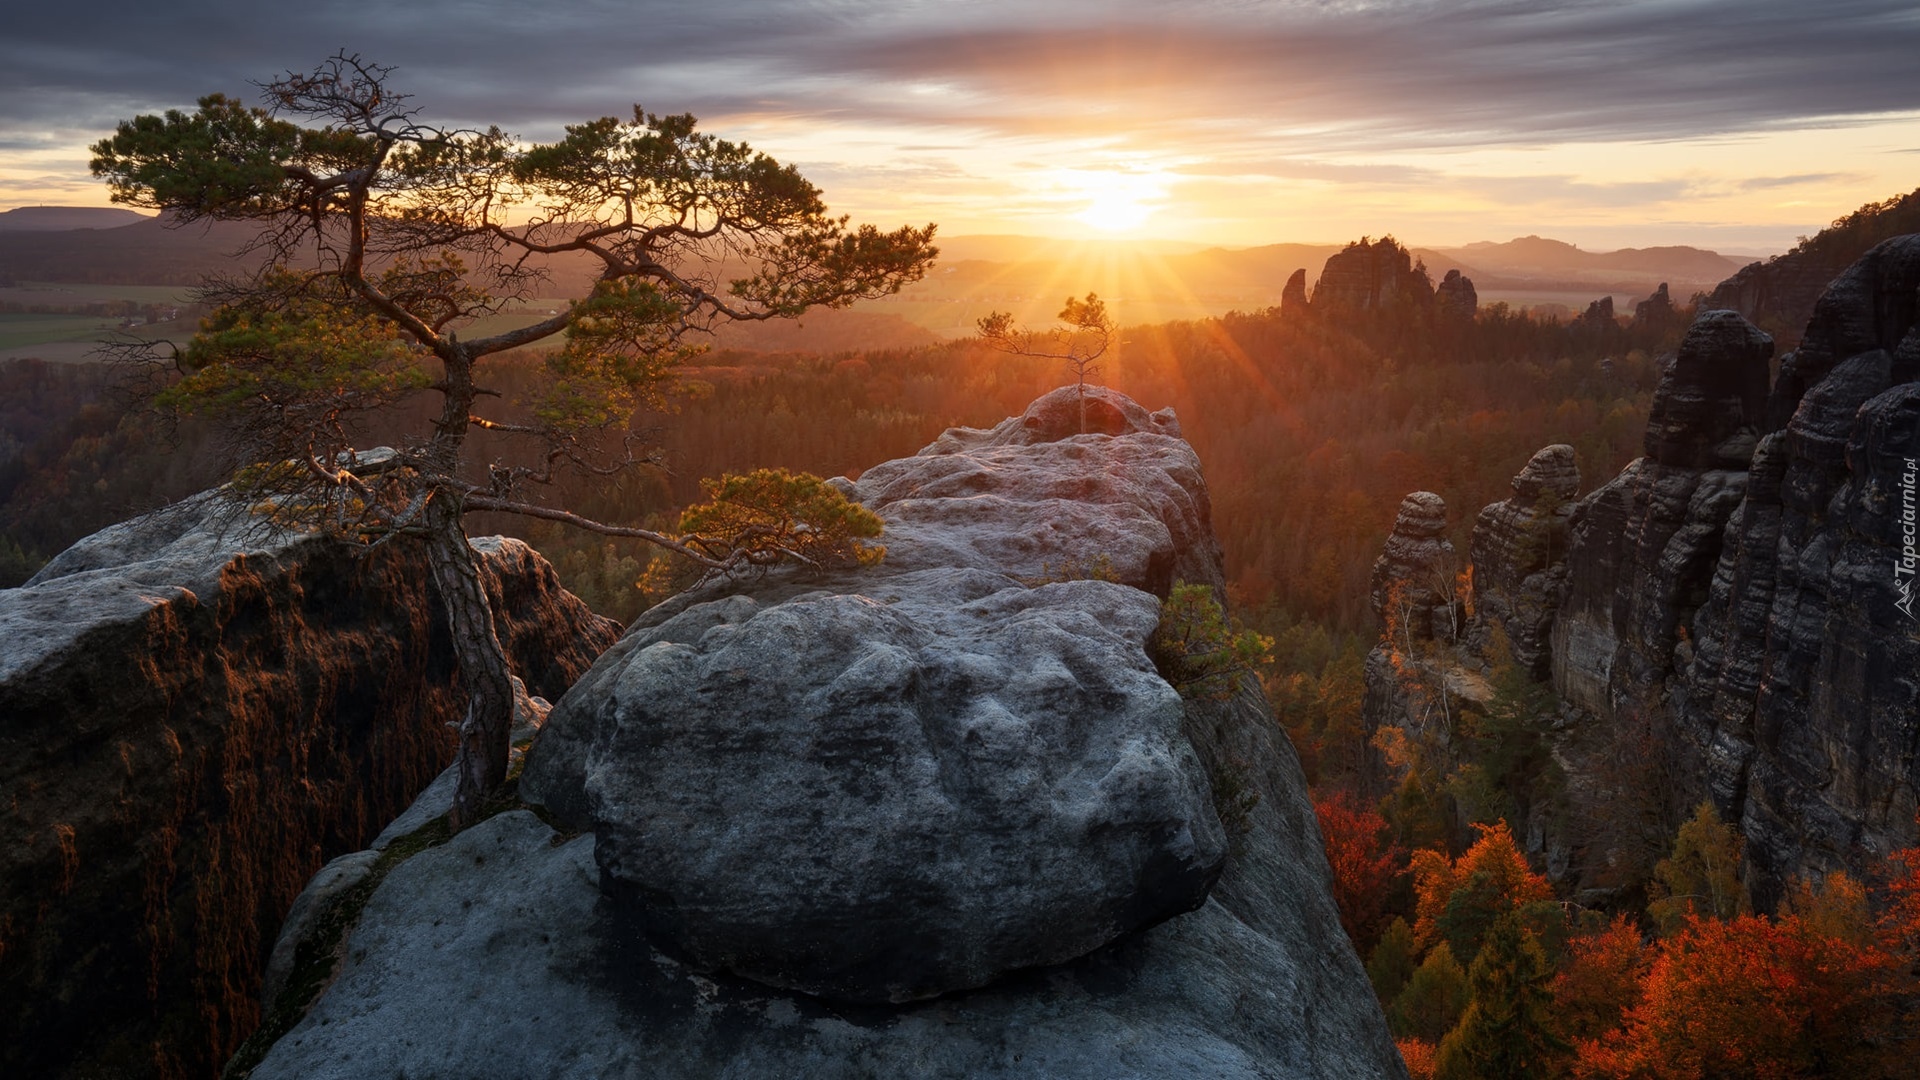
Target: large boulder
<point>957,768</point>
<point>888,796</point>
<point>196,713</point>
<point>957,771</point>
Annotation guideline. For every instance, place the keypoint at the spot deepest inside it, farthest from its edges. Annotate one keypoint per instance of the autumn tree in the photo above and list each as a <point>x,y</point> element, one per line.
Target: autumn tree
<point>1702,877</point>
<point>1752,996</point>
<point>387,238</point>
<point>1364,860</point>
<point>1458,901</point>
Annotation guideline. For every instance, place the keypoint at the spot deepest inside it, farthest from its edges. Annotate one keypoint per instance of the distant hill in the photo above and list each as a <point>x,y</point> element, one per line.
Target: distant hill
<point>1539,258</point>
<point>151,251</point>
<point>60,218</point>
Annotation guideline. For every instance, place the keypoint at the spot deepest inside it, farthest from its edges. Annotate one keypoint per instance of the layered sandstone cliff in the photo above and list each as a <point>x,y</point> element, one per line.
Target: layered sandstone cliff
<point>195,714</point>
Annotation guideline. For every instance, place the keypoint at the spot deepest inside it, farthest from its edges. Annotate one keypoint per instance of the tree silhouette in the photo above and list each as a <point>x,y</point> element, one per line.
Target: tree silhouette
<point>388,237</point>
<point>1085,336</point>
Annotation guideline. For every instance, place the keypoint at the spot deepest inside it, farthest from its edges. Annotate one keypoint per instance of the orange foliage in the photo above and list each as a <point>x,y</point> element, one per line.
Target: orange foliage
<point>1460,898</point>
<point>1756,997</point>
<point>1418,1054</point>
<point>1900,922</point>
<point>1600,980</point>
<point>1364,860</point>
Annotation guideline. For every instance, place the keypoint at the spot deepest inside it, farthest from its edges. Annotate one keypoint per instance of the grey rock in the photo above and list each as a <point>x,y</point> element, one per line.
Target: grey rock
<point>196,713</point>
<point>1655,315</point>
<point>883,800</point>
<point>1764,526</point>
<point>1519,551</point>
<point>1369,277</point>
<point>560,978</point>
<point>495,956</point>
<point>325,888</point>
<point>1599,316</point>
<point>1710,406</point>
<point>1413,579</point>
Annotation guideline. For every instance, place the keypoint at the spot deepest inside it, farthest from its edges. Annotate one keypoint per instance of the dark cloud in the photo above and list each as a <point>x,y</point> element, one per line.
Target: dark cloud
<point>1272,77</point>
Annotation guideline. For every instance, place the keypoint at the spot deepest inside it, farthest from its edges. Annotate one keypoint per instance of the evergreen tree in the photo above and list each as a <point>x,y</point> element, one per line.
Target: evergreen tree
<point>1507,1030</point>
<point>387,240</point>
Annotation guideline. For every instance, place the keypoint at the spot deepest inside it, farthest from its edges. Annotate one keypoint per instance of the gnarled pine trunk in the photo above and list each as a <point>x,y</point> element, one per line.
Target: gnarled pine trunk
<point>487,732</point>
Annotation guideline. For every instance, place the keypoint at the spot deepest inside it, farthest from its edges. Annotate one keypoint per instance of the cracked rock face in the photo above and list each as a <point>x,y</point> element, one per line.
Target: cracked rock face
<point>1799,711</point>
<point>194,716</point>
<point>1519,557</point>
<point>1413,577</point>
<point>1740,584</point>
<point>1642,547</point>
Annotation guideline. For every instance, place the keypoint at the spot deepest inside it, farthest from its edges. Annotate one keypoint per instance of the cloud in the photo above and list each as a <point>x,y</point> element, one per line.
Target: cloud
<point>1410,73</point>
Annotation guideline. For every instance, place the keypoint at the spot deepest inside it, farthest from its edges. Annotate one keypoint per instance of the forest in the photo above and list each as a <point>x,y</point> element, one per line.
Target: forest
<point>1311,428</point>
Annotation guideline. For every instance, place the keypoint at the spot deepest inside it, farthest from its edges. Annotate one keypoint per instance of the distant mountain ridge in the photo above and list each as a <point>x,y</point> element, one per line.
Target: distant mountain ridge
<point>1537,256</point>
<point>63,218</point>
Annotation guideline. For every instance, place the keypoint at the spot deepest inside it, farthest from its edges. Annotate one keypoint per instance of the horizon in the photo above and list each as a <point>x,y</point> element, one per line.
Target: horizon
<point>1736,128</point>
<point>1166,244</point>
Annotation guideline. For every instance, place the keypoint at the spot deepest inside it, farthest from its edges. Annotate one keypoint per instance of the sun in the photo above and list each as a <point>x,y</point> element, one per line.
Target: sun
<point>1115,201</point>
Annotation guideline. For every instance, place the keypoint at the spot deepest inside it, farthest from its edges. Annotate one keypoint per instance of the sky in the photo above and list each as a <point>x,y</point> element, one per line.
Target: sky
<point>1737,125</point>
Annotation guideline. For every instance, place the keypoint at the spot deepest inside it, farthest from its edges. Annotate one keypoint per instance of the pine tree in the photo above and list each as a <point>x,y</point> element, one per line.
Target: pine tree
<point>1507,1030</point>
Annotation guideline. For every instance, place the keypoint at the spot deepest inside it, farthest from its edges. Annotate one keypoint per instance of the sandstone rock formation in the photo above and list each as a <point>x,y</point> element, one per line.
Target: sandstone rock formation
<point>1413,579</point>
<point>1739,586</point>
<point>1519,552</point>
<point>193,718</point>
<point>888,797</point>
<point>1655,315</point>
<point>1454,299</point>
<point>960,757</point>
<point>1598,316</point>
<point>1372,276</point>
<point>1412,677</point>
<point>1779,293</point>
<point>1293,298</point>
<point>1643,545</point>
<point>1799,710</point>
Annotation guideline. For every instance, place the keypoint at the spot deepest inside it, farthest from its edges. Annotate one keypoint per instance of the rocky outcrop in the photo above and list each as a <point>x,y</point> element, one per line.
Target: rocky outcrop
<point>1655,315</point>
<point>1412,674</point>
<point>1370,277</point>
<point>1799,711</point>
<point>1293,298</point>
<point>1519,552</point>
<point>961,763</point>
<point>1454,299</point>
<point>1642,546</point>
<point>1740,586</point>
<point>1413,579</point>
<point>956,779</point>
<point>194,716</point>
<point>1598,316</point>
